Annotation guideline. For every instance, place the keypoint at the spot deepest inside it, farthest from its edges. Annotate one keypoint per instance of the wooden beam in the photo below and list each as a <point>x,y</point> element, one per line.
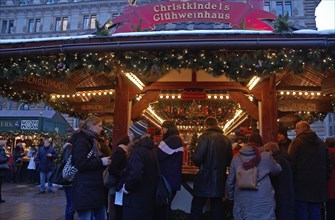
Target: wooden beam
<point>121,111</point>
<point>245,103</point>
<point>144,103</point>
<point>221,86</point>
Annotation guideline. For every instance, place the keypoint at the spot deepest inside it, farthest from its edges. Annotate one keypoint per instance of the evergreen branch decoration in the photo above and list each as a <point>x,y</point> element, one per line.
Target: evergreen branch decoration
<point>103,30</point>
<point>233,64</point>
<point>282,25</point>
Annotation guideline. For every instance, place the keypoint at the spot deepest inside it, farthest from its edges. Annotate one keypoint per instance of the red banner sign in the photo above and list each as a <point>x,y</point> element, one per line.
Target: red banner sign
<point>193,96</point>
<point>235,13</point>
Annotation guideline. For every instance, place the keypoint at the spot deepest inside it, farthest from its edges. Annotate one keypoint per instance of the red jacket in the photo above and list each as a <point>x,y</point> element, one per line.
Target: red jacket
<point>331,181</point>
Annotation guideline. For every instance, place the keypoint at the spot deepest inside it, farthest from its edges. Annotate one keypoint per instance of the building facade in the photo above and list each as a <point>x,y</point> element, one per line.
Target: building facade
<point>25,19</point>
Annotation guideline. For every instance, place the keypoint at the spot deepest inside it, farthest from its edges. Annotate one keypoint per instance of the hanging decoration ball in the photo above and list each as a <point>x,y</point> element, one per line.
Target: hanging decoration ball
<point>61,66</point>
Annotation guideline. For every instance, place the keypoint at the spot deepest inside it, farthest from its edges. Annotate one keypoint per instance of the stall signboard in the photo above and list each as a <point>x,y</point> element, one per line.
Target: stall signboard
<point>18,124</point>
<point>92,107</point>
<point>34,124</point>
<point>45,85</point>
<point>193,96</point>
<point>290,105</point>
<point>236,14</point>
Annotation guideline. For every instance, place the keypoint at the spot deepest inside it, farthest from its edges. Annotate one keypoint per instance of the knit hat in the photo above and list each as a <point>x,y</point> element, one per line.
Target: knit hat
<point>139,128</point>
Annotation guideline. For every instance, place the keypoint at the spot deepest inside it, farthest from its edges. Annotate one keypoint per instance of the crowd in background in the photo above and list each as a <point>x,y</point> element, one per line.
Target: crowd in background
<point>295,178</point>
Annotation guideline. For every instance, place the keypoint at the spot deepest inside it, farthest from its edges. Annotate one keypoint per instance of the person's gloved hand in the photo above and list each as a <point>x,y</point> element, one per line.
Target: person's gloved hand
<point>105,161</point>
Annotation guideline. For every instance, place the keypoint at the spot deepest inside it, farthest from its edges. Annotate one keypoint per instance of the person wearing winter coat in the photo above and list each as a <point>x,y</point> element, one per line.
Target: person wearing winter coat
<point>282,183</point>
<point>253,204</point>
<point>31,168</point>
<point>117,170</point>
<point>4,168</point>
<point>170,160</point>
<point>212,155</point>
<point>17,162</point>
<point>45,161</point>
<point>88,194</point>
<point>141,178</point>
<point>283,140</point>
<point>69,213</point>
<point>331,181</point>
<point>309,161</point>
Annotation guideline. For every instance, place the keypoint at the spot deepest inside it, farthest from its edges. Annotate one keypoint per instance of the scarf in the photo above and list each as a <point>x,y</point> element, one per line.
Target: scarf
<point>94,136</point>
<point>255,160</point>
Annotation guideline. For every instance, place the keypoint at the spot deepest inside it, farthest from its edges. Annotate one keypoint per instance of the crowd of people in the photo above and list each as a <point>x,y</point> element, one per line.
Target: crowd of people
<point>295,178</point>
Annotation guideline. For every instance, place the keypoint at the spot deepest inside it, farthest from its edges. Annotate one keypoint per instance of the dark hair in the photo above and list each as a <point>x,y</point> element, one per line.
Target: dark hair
<point>211,121</point>
<point>172,128</point>
<point>255,141</point>
<point>123,140</point>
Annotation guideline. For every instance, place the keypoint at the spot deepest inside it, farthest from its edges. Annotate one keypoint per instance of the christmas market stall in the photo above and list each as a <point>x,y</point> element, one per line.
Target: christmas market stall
<point>246,67</point>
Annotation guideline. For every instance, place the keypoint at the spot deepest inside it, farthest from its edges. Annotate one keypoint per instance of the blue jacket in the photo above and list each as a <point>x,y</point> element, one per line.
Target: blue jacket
<point>45,164</point>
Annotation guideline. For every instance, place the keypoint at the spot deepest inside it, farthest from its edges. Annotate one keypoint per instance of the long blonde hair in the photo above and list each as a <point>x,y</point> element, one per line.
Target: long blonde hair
<point>92,120</point>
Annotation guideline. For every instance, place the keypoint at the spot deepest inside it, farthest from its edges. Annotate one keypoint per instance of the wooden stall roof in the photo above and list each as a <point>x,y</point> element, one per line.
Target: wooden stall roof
<point>174,40</point>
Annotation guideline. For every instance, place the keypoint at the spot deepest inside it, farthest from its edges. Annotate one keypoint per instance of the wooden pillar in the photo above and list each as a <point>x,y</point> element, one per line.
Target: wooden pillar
<point>121,110</point>
<point>268,110</point>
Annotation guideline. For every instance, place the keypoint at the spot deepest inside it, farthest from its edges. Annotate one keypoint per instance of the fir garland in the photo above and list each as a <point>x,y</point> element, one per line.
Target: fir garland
<point>233,64</point>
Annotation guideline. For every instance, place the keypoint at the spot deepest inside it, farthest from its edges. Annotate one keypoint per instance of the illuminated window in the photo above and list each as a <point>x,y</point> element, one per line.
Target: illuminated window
<point>34,25</point>
<point>31,25</point>
<point>89,21</point>
<point>61,23</point>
